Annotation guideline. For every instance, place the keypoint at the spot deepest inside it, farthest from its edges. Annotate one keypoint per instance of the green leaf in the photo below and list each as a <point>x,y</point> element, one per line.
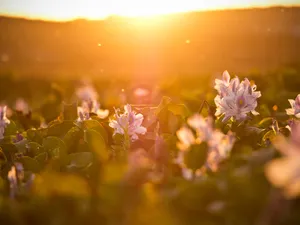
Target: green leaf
<point>72,136</point>
<point>196,156</point>
<point>55,147</point>
<point>173,122</point>
<point>96,144</point>
<point>9,150</point>
<point>21,145</point>
<point>80,159</point>
<point>118,139</point>
<point>60,129</point>
<point>266,122</point>
<point>3,158</point>
<point>30,164</point>
<point>163,104</point>
<point>11,129</point>
<point>35,148</point>
<point>269,136</point>
<point>179,110</point>
<point>70,111</point>
<point>252,130</point>
<point>42,157</point>
<point>57,184</point>
<point>97,126</point>
<point>34,135</point>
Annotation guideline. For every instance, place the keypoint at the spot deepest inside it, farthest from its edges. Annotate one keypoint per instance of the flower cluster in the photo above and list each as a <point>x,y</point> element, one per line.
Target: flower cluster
<point>89,103</point>
<point>295,104</point>
<point>3,121</point>
<point>86,92</point>
<point>128,123</point>
<point>235,99</point>
<point>91,107</point>
<point>284,172</point>
<point>201,143</point>
<point>16,178</point>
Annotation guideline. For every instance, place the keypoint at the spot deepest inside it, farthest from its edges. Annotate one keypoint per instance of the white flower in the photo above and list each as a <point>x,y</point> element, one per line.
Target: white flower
<point>3,121</point>
<point>94,107</point>
<point>89,107</point>
<point>129,123</point>
<point>186,138</point>
<point>235,99</point>
<point>295,104</point>
<point>14,176</point>
<point>203,126</point>
<point>82,114</point>
<point>87,93</point>
<point>101,113</point>
<point>222,86</point>
<point>219,145</point>
<point>284,172</point>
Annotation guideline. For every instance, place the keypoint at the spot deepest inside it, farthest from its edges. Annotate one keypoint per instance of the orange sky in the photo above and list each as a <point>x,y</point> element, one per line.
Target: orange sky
<point>95,9</point>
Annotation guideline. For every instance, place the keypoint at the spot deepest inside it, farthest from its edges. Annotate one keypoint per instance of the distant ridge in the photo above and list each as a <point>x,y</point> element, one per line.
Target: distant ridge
<point>260,39</point>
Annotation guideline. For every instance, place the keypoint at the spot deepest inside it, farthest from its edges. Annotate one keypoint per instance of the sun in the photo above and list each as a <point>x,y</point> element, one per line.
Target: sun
<point>138,8</point>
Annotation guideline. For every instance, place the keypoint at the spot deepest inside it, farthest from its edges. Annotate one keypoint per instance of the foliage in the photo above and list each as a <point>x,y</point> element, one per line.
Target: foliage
<point>80,171</point>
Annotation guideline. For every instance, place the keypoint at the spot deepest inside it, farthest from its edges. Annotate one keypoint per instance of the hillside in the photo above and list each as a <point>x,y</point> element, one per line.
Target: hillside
<point>189,44</point>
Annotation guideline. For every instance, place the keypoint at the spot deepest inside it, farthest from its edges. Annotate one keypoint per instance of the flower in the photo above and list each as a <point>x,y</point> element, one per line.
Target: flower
<point>222,86</point>
<point>94,107</point>
<point>22,106</point>
<point>202,147</point>
<point>186,138</point>
<point>284,172</point>
<point>87,92</point>
<point>295,110</point>
<point>235,99</point>
<point>3,121</point>
<point>89,107</point>
<point>14,176</point>
<point>129,123</point>
<point>82,114</point>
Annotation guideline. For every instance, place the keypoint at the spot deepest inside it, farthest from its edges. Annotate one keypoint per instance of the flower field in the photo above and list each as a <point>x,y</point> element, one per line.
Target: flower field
<point>208,150</point>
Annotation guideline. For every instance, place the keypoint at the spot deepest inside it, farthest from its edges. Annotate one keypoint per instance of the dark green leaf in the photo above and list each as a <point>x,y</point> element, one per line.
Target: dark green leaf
<point>70,111</point>
<point>42,157</point>
<point>97,126</point>
<point>80,159</point>
<point>60,129</point>
<point>196,156</point>
<point>55,147</point>
<point>30,164</point>
<point>96,143</point>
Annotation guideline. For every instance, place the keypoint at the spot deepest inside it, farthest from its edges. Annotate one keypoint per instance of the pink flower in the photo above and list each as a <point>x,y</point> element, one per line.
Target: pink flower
<point>284,172</point>
<point>295,104</point>
<point>3,121</point>
<point>128,123</point>
<point>87,92</point>
<point>235,99</point>
<point>93,106</point>
<point>219,145</point>
<point>83,114</point>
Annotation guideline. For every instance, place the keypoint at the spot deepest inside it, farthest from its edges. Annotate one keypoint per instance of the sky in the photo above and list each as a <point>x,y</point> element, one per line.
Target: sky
<point>99,9</point>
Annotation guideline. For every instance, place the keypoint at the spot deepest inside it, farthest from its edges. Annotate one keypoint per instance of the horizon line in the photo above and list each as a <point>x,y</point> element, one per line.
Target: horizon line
<point>76,18</point>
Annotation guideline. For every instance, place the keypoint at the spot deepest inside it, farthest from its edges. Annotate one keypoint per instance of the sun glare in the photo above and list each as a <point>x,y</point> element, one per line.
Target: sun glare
<point>96,9</point>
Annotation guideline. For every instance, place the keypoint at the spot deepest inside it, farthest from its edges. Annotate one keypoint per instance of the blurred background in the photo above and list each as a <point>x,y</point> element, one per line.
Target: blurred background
<point>147,39</point>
